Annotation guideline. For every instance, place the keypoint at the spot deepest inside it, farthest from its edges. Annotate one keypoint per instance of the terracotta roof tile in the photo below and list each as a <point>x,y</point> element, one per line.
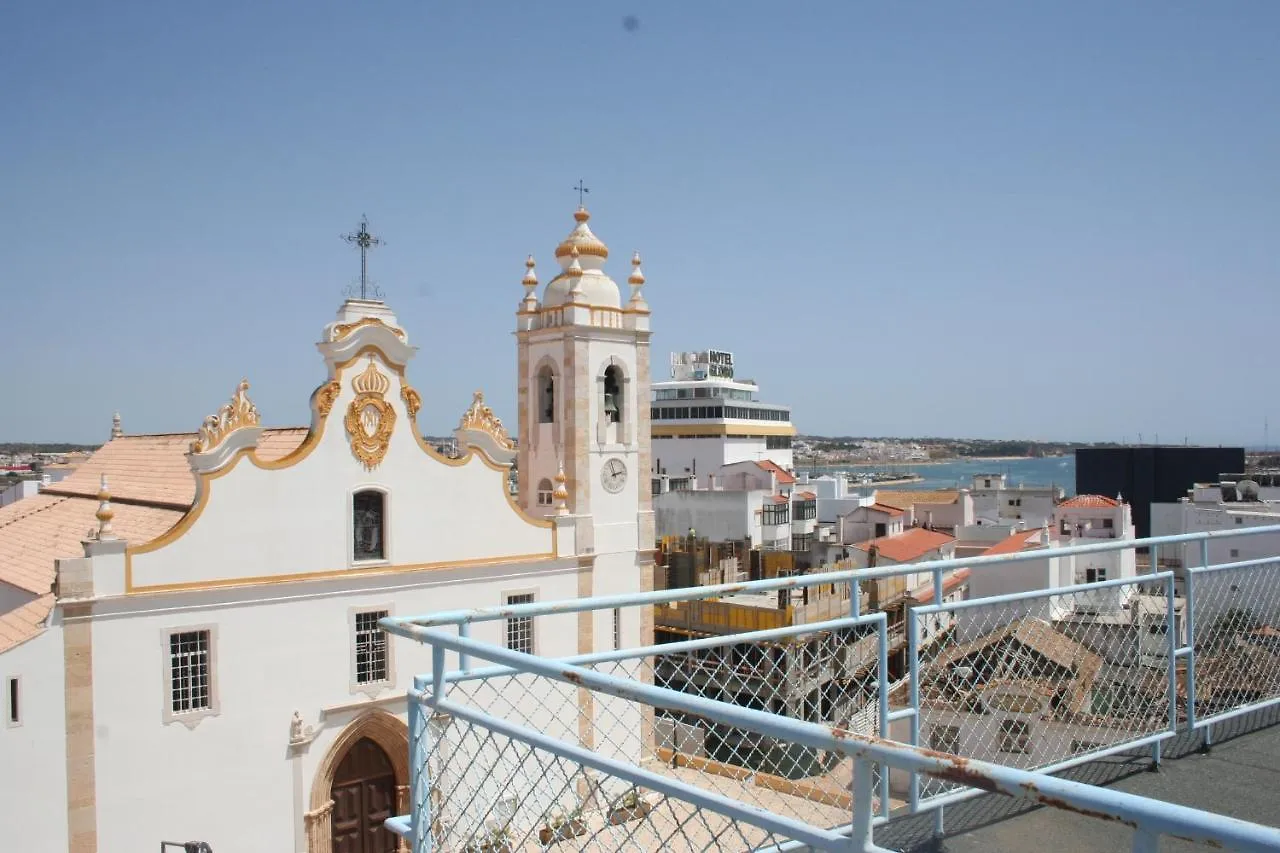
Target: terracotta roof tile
<point>22,623</point>
<point>888,509</point>
<point>773,468</point>
<point>1090,502</point>
<point>905,499</point>
<point>923,594</point>
<point>907,546</point>
<point>151,487</point>
<point>153,469</point>
<point>1023,540</point>
<point>806,496</point>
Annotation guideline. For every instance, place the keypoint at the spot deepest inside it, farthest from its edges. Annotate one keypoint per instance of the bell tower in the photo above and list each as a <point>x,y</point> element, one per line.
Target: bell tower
<point>584,398</point>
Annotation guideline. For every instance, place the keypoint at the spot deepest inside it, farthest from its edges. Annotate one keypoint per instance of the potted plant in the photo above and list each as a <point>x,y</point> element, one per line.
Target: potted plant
<point>630,806</point>
<point>560,827</point>
<point>495,841</point>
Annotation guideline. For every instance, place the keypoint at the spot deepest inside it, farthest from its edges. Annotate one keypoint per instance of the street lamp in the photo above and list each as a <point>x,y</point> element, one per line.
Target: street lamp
<point>187,846</point>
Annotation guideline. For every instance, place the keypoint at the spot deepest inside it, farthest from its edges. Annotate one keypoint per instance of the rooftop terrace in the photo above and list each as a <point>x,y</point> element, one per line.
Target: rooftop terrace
<point>1001,705</point>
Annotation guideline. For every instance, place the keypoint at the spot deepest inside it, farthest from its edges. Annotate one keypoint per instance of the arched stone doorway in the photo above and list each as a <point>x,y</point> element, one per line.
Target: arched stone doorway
<point>363,779</point>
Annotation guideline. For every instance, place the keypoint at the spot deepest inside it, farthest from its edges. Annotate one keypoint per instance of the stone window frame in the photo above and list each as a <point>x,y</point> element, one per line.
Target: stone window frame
<point>372,689</point>
<point>387,543</point>
<point>190,719</point>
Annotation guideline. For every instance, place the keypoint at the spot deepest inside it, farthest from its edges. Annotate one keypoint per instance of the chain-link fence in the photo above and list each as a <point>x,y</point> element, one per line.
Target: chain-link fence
<point>1040,680</point>
<point>750,737</point>
<point>494,792</point>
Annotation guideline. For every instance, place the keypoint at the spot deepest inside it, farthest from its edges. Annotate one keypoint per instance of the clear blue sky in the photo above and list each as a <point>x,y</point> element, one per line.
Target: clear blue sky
<point>1001,219</point>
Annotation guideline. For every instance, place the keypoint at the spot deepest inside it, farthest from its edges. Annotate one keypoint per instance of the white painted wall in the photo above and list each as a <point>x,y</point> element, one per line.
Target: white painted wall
<point>718,516</point>
<point>33,759</point>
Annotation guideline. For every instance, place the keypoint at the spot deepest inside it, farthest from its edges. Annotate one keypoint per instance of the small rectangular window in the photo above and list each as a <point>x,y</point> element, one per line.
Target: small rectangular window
<point>945,739</point>
<point>371,648</point>
<point>1239,520</point>
<point>1235,552</point>
<point>13,706</point>
<point>520,628</point>
<point>1108,523</point>
<point>190,678</point>
<point>1015,737</point>
<point>617,628</point>
<point>368,530</point>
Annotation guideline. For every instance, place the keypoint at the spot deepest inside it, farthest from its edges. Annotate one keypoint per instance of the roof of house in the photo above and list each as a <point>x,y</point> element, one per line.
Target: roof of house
<point>776,470</point>
<point>923,594</point>
<point>1023,540</point>
<point>806,496</point>
<point>1089,502</point>
<point>886,509</point>
<point>904,499</point>
<point>1033,634</point>
<point>908,545</point>
<point>151,487</point>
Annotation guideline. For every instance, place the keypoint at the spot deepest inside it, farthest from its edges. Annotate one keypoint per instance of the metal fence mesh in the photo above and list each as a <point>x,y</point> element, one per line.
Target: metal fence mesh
<point>1034,682</point>
<point>486,785</point>
<point>1237,641</point>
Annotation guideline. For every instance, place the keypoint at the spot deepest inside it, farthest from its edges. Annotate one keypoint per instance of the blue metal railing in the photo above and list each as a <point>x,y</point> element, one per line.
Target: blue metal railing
<point>457,737</point>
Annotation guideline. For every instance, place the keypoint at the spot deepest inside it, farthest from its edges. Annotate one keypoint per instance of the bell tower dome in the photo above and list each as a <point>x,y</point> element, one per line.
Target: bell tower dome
<point>584,396</point>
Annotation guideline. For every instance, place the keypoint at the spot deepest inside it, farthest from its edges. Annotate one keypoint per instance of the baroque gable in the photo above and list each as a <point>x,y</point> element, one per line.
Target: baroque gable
<point>260,520</point>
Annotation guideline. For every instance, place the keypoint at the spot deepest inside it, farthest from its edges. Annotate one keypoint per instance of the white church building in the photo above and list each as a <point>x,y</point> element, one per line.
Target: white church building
<point>188,624</point>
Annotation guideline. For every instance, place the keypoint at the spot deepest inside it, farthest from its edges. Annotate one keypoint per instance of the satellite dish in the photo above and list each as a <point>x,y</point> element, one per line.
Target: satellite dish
<point>1247,490</point>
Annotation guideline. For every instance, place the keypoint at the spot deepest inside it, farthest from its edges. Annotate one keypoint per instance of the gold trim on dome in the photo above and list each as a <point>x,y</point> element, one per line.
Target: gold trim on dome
<point>412,399</point>
<point>343,329</point>
<point>327,395</point>
<point>238,412</point>
<point>370,419</point>
<point>481,417</point>
<point>586,247</point>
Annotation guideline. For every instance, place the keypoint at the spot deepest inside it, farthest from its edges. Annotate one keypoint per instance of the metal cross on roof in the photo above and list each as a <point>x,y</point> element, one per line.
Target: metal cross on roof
<point>582,190</point>
<point>365,241</point>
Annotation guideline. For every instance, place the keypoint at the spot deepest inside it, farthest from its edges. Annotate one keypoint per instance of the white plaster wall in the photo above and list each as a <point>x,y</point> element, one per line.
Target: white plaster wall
<point>718,516</point>
<point>260,522</point>
<point>33,759</point>
<point>271,658</point>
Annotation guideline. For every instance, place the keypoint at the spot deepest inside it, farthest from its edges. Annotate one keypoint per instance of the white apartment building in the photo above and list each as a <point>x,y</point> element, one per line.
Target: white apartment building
<point>996,501</point>
<point>703,418</point>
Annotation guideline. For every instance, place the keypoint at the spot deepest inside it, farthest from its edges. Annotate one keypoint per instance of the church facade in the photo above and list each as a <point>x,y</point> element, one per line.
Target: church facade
<point>189,644</point>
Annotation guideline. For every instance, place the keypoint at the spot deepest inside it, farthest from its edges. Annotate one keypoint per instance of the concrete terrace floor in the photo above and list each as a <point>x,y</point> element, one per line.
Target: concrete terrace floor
<point>1239,776</point>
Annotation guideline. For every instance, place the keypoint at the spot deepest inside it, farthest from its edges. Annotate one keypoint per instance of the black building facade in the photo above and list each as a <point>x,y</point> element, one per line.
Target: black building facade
<point>1147,474</point>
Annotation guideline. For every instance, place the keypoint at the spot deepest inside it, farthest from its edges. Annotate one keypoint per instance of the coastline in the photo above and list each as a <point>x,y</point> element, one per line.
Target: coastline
<point>889,463</point>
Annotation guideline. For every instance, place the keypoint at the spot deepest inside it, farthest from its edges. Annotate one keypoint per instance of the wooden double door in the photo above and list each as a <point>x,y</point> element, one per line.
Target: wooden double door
<point>364,795</point>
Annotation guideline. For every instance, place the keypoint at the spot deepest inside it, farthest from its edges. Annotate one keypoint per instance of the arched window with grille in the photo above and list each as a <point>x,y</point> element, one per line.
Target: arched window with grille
<point>368,525</point>
<point>546,494</point>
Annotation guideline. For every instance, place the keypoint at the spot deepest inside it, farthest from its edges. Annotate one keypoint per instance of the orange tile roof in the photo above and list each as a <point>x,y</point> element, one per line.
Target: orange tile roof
<point>151,487</point>
<point>22,623</point>
<point>907,546</point>
<point>923,594</point>
<point>886,509</point>
<point>1023,540</point>
<point>1089,502</point>
<point>806,496</point>
<point>905,498</point>
<point>772,467</point>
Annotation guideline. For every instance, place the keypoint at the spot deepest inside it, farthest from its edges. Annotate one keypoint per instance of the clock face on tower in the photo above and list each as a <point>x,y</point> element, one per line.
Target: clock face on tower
<point>613,476</point>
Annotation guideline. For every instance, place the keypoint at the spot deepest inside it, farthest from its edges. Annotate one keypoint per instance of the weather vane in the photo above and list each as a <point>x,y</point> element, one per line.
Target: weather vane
<point>365,241</point>
<point>582,190</point>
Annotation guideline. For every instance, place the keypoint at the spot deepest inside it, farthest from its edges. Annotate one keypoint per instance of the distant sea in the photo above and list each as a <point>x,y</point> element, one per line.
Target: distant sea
<point>1047,471</point>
